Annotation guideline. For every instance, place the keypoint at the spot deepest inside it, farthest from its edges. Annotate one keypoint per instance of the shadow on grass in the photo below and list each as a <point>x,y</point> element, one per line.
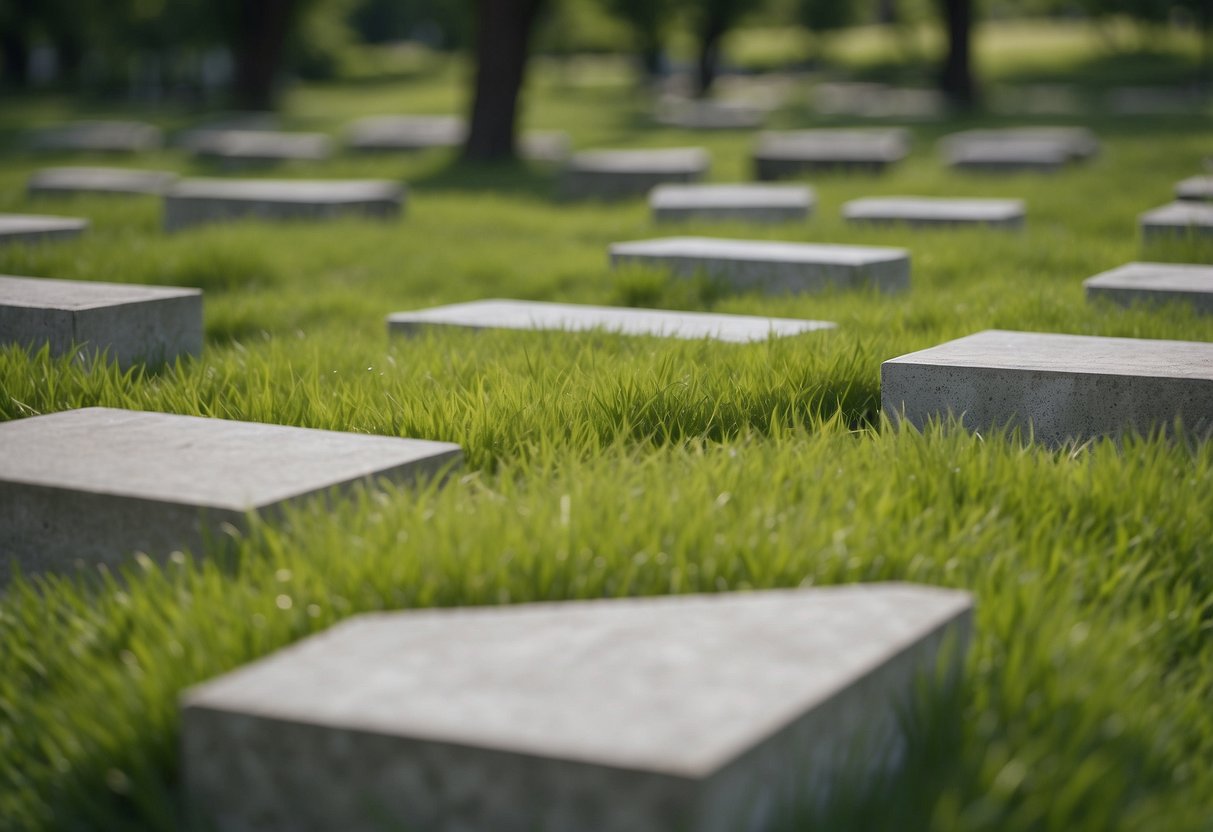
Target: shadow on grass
<point>517,178</point>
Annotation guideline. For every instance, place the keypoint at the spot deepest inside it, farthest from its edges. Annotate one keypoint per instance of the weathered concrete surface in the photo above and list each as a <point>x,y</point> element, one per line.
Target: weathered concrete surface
<point>98,137</point>
<point>35,228</point>
<point>131,323</point>
<point>596,716</point>
<point>1179,219</point>
<point>617,174</point>
<point>742,201</point>
<point>1066,387</point>
<point>196,201</point>
<point>95,485</point>
<point>241,148</point>
<point>771,266</point>
<point>936,211</point>
<point>412,133</point>
<point>871,100</point>
<point>710,114</point>
<point>531,315</point>
<point>780,154</point>
<point>1078,143</point>
<point>1135,283</point>
<point>201,134</point>
<point>84,180</point>
<point>1195,188</point>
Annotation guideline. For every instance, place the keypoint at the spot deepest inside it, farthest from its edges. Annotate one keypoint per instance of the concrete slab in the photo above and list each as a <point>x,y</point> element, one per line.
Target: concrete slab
<point>382,134</point>
<point>771,266</point>
<point>788,153</point>
<point>1135,283</point>
<point>871,100</point>
<point>1196,188</point>
<point>97,484</point>
<point>1179,219</point>
<point>1078,143</point>
<point>98,137</point>
<point>743,201</point>
<point>200,135</point>
<point>632,715</point>
<point>710,114</point>
<point>197,201</point>
<point>35,228</point>
<point>935,211</point>
<point>242,148</point>
<point>131,323</point>
<point>115,181</point>
<point>663,323</point>
<point>1066,387</point>
<point>1007,156</point>
<point>617,174</point>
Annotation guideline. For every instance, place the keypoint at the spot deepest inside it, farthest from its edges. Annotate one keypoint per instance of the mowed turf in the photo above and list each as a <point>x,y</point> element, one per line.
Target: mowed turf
<point>606,466</point>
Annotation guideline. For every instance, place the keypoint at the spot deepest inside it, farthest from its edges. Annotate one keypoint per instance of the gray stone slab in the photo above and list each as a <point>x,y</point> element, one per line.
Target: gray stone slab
<point>936,211</point>
<point>1008,156</point>
<point>95,485</point>
<point>1036,100</point>
<point>871,100</point>
<point>98,137</point>
<point>699,713</point>
<point>197,201</point>
<point>35,228</point>
<point>771,266</point>
<point>780,154</point>
<point>240,148</point>
<point>1179,219</point>
<point>1078,143</point>
<point>198,136</point>
<point>710,114</point>
<point>616,174</point>
<point>1066,387</point>
<point>131,323</point>
<point>1135,283</point>
<point>81,180</point>
<point>413,133</point>
<point>746,202</point>
<point>664,323</point>
<point>1196,188</point>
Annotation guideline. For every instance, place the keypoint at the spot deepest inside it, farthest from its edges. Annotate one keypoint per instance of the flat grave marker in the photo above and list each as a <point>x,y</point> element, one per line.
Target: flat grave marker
<point>771,266</point>
<point>936,211</point>
<point>1066,387</point>
<point>197,201</point>
<point>1014,149</point>
<point>130,322</point>
<point>1155,283</point>
<point>742,201</point>
<point>381,134</point>
<point>201,135</point>
<point>1178,219</point>
<point>663,323</point>
<point>98,137</point>
<point>1195,188</point>
<point>788,153</point>
<point>871,100</point>
<point>36,228</point>
<point>616,174</point>
<point>699,114</point>
<point>240,148</point>
<point>71,181</point>
<point>97,484</point>
<point>621,715</point>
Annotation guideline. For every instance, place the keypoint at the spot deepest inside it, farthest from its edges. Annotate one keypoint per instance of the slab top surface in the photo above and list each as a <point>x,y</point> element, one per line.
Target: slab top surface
<point>267,142</point>
<point>758,250</point>
<point>1195,187</point>
<point>101,178</point>
<point>731,196</point>
<point>515,314</point>
<point>648,160</point>
<point>76,295</point>
<point>1158,277</point>
<point>1180,213</point>
<point>933,208</point>
<point>1070,354</point>
<point>793,143</point>
<point>288,190</point>
<point>33,223</point>
<point>216,463</point>
<point>665,684</point>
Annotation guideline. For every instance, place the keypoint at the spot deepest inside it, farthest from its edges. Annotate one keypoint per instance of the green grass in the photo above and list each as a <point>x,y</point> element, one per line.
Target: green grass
<point>601,466</point>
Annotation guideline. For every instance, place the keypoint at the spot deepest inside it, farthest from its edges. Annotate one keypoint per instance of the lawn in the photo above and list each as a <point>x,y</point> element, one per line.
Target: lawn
<point>603,466</point>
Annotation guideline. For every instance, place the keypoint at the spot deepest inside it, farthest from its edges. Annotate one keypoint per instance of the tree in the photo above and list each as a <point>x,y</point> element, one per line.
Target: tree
<point>956,79</point>
<point>502,47</point>
<point>648,19</point>
<point>712,19</point>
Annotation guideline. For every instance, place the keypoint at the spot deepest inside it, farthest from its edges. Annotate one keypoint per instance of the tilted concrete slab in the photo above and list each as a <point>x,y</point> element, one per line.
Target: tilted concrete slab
<point>771,266</point>
<point>98,137</point>
<point>1135,283</point>
<point>1179,219</point>
<point>97,484</point>
<point>239,148</point>
<point>84,180</point>
<point>699,713</point>
<point>1066,387</point>
<point>35,228</point>
<point>197,201</point>
<point>1196,188</point>
<point>741,201</point>
<point>617,174</point>
<point>788,153</point>
<point>664,323</point>
<point>936,211</point>
<point>129,322</point>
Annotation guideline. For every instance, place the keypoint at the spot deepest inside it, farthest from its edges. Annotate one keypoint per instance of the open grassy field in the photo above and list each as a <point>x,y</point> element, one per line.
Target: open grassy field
<point>601,466</point>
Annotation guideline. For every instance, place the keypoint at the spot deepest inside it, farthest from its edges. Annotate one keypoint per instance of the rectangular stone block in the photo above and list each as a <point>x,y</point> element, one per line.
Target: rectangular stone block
<point>934,211</point>
<point>781,154</point>
<point>1078,143</point>
<point>1177,220</point>
<point>412,133</point>
<point>1155,283</point>
<point>771,266</point>
<point>198,201</point>
<point>129,322</point>
<point>663,323</point>
<point>1196,188</point>
<point>121,181</point>
<point>709,114</point>
<point>870,100</point>
<point>744,202</point>
<point>699,713</point>
<point>617,174</point>
<point>1065,387</point>
<point>34,228</point>
<point>95,485</point>
<point>243,148</point>
<point>98,137</point>
<point>201,134</point>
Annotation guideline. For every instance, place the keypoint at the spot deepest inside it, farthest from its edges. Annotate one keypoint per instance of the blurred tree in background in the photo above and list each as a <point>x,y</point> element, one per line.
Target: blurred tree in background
<point>502,49</point>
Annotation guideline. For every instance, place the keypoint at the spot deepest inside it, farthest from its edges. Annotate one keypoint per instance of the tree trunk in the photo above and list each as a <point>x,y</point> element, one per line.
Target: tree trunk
<point>15,49</point>
<point>503,34</point>
<point>886,12</point>
<point>258,47</point>
<point>956,79</point>
<point>709,54</point>
<point>651,60</point>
